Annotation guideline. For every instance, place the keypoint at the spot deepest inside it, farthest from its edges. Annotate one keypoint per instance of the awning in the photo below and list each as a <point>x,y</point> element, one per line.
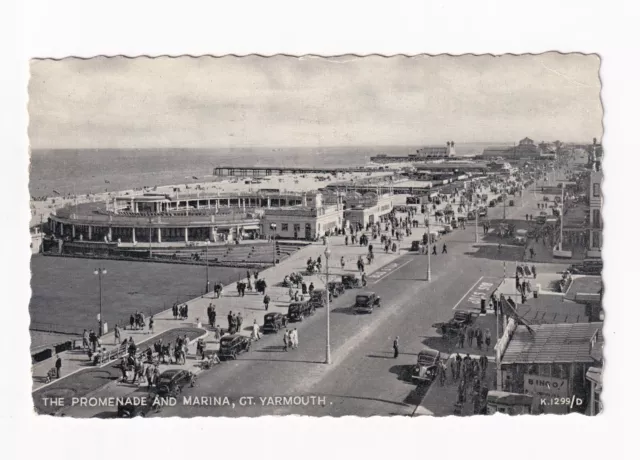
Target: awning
<point>251,227</point>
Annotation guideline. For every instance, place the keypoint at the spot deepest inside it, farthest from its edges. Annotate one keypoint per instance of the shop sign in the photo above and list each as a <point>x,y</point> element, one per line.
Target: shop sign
<point>546,386</point>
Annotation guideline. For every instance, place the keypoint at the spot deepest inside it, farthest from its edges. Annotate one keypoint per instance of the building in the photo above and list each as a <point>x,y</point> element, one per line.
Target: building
<point>367,209</point>
<point>595,210</point>
<point>306,222</point>
<point>526,148</point>
<point>549,361</point>
<point>437,151</point>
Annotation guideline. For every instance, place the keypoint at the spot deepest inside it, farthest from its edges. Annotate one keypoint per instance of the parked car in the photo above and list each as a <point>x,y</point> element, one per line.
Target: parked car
<point>454,223</point>
<point>460,319</point>
<point>319,298</point>
<point>298,311</point>
<point>415,245</point>
<point>171,382</point>
<point>351,281</point>
<point>336,288</point>
<point>426,368</point>
<point>492,203</point>
<point>511,203</point>
<point>587,267</point>
<point>366,302</point>
<point>232,345</point>
<point>273,322</point>
<point>482,212</point>
<point>131,410</point>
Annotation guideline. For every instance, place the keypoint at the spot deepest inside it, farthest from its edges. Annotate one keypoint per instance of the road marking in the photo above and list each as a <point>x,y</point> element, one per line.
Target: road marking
<point>393,267</point>
<point>467,293</point>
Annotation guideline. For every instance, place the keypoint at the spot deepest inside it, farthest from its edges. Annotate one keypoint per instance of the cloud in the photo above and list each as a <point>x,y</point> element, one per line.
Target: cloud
<point>283,101</point>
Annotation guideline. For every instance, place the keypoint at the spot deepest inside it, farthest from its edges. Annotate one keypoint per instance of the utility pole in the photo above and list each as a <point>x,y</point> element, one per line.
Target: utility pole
<point>100,271</point>
<point>426,221</point>
<point>327,254</point>
<point>561,215</point>
<point>206,259</point>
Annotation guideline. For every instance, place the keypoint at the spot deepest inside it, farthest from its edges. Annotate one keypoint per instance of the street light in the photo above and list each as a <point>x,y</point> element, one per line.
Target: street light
<point>206,259</point>
<point>428,224</point>
<point>273,227</point>
<point>100,271</point>
<point>327,254</point>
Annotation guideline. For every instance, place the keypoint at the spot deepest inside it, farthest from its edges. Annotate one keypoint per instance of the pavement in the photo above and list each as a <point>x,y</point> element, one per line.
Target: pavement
<point>363,377</point>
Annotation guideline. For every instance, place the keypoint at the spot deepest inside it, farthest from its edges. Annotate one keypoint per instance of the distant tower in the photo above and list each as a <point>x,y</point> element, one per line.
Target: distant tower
<point>451,151</point>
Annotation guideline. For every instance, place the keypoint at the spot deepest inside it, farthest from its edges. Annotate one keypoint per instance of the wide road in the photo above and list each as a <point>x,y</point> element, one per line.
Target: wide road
<point>363,378</point>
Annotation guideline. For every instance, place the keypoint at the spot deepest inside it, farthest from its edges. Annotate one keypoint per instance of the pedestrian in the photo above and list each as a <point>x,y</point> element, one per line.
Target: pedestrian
<point>461,338</point>
<point>470,335</point>
<point>186,311</point>
<point>85,340</point>
<point>442,371</point>
<point>175,311</point>
<point>255,333</point>
<point>291,293</point>
<point>434,251</point>
<point>531,253</point>
<point>487,338</point>
<point>533,271</point>
<point>230,320</point>
<point>484,362</point>
<point>266,301</point>
<point>396,347</point>
<point>149,376</point>
<point>444,248</point>
<point>151,321</point>
<point>304,288</point>
<point>364,279</point>
<point>116,333</point>
<point>58,366</point>
<point>342,262</point>
<point>458,365</point>
<point>294,338</point>
<point>479,338</point>
<point>239,321</point>
<point>346,241</point>
<point>132,321</point>
<point>311,288</point>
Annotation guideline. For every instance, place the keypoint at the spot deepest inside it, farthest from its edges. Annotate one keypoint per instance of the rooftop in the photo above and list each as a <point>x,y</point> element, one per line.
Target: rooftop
<point>553,343</point>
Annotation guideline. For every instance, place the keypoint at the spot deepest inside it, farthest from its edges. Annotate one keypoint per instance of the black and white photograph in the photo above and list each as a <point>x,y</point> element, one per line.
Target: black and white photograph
<point>320,236</point>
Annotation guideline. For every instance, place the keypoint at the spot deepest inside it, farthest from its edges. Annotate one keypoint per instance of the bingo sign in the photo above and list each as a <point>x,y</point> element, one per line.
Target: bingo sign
<point>546,386</point>
<point>482,289</point>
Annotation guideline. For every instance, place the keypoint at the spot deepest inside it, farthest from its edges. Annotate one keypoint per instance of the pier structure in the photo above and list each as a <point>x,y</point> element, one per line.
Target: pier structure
<point>258,171</point>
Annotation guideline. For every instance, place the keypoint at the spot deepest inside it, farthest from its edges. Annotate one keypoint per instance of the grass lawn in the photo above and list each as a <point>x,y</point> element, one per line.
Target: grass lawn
<point>65,291</point>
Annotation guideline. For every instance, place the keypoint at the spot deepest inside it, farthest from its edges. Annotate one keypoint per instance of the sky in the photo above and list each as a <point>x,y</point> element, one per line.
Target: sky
<point>281,101</point>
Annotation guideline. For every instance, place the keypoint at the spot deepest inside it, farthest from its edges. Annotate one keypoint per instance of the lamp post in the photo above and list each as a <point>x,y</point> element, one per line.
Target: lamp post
<point>476,212</point>
<point>428,224</point>
<point>206,260</point>
<point>100,271</point>
<point>273,227</point>
<point>327,254</point>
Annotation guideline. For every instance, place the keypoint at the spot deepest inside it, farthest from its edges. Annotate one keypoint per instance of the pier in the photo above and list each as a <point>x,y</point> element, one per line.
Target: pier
<point>255,171</point>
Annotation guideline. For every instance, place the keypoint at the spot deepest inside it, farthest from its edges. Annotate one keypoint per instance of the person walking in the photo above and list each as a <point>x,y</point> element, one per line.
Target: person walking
<point>285,340</point>
<point>294,338</point>
<point>239,321</point>
<point>434,251</point>
<point>470,335</point>
<point>85,340</point>
<point>342,262</point>
<point>116,334</point>
<point>461,338</point>
<point>444,248</point>
<point>311,287</point>
<point>149,372</point>
<point>255,333</point>
<point>533,272</point>
<point>151,321</point>
<point>479,338</point>
<point>487,338</point>
<point>266,301</point>
<point>58,366</point>
<point>396,347</point>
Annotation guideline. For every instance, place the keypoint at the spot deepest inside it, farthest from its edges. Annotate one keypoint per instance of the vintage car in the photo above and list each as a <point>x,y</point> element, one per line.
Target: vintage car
<point>454,223</point>
<point>318,298</point>
<point>131,410</point>
<point>273,322</point>
<point>351,281</point>
<point>336,288</point>
<point>298,311</point>
<point>366,302</point>
<point>426,368</point>
<point>471,215</point>
<point>460,319</point>
<point>512,203</point>
<point>462,219</point>
<point>232,345</point>
<point>482,212</point>
<point>415,245</point>
<point>492,203</point>
<point>171,382</point>
<point>587,267</point>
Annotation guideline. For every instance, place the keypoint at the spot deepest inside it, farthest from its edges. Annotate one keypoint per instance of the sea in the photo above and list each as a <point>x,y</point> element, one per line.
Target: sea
<point>82,171</point>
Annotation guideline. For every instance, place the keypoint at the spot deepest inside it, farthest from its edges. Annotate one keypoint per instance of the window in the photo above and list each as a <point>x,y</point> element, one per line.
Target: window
<point>285,227</point>
<point>296,227</point>
<point>596,218</point>
<point>596,189</point>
